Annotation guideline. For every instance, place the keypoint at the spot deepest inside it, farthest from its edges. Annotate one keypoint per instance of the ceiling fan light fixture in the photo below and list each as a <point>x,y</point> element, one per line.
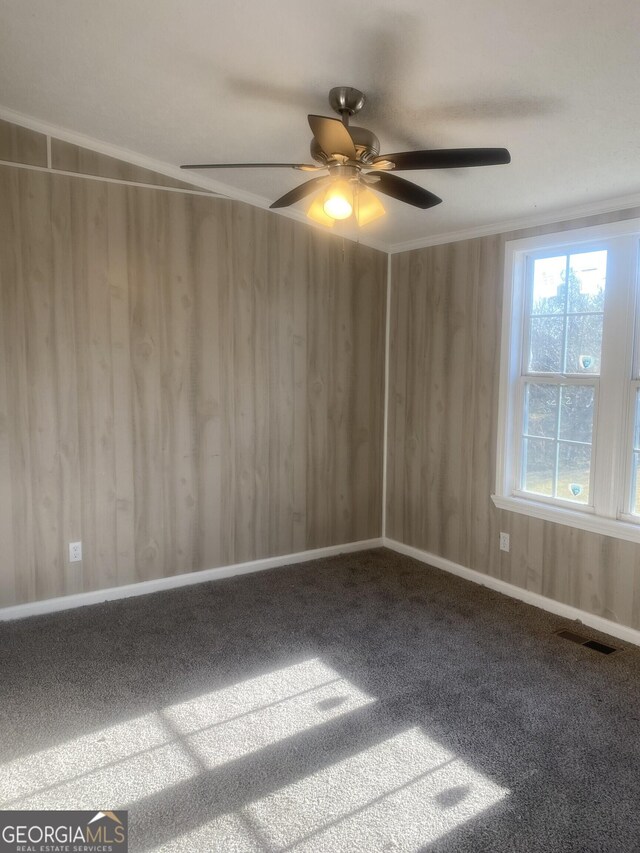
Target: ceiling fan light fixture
<point>316,212</point>
<point>368,206</point>
<point>351,156</point>
<point>338,200</point>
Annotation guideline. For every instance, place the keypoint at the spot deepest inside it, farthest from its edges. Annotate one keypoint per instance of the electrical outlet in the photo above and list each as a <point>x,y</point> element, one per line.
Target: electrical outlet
<point>504,542</point>
<point>75,552</point>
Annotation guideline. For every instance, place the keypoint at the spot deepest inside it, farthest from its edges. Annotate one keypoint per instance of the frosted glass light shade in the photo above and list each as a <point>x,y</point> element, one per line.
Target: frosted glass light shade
<point>368,206</point>
<point>338,200</point>
<point>316,212</point>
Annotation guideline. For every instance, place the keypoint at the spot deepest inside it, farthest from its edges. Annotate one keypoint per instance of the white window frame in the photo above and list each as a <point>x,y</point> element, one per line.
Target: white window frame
<point>614,401</point>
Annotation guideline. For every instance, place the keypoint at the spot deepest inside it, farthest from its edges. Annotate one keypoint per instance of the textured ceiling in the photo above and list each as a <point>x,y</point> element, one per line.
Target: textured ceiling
<point>555,82</point>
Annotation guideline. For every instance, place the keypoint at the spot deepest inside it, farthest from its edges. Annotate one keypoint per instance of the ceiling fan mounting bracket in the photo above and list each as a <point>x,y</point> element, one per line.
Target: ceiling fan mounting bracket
<point>346,100</point>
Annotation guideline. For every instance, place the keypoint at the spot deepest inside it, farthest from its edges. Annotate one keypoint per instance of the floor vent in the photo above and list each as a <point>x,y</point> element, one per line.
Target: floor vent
<point>600,647</point>
<point>585,641</point>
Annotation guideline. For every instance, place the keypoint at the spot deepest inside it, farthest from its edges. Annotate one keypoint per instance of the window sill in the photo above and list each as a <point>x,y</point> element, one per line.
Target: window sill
<point>571,518</point>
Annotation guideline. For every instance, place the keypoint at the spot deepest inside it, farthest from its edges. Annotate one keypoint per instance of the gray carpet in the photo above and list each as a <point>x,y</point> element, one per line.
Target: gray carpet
<point>359,703</point>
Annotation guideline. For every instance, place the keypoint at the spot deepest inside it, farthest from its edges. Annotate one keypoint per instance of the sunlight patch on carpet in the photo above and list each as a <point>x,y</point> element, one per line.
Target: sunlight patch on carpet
<point>401,794</point>
<point>408,791</point>
<point>128,761</point>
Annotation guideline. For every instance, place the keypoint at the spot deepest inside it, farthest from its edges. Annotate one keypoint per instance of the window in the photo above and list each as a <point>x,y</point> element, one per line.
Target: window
<point>569,421</point>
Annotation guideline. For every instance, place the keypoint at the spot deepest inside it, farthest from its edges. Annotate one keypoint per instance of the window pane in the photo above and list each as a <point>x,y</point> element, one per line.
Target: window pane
<point>574,466</point>
<point>584,342</point>
<point>576,412</point>
<point>546,343</point>
<point>549,292</point>
<point>541,410</point>
<point>587,280</point>
<point>538,466</point>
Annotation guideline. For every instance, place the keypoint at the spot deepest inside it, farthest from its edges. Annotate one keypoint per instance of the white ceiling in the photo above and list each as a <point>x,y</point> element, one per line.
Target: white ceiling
<point>200,80</point>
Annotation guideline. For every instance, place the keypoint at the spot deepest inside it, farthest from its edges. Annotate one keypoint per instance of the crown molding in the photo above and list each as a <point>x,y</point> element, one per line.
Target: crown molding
<point>550,217</point>
<point>171,171</point>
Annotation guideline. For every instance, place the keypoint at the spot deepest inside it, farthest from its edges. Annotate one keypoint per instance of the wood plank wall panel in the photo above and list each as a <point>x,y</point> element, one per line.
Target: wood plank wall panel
<point>67,388</point>
<point>67,157</point>
<point>21,145</point>
<point>118,276</point>
<point>443,403</point>
<point>14,483</point>
<point>184,383</point>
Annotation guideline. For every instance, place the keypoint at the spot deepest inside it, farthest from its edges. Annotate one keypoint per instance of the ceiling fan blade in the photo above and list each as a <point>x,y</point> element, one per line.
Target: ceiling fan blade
<point>301,191</point>
<point>405,191</point>
<point>332,136</point>
<point>446,158</point>
<point>302,166</point>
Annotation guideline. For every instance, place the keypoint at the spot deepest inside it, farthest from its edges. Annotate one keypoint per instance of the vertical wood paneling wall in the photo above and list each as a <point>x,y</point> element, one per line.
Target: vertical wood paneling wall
<point>441,444</point>
<point>185,382</point>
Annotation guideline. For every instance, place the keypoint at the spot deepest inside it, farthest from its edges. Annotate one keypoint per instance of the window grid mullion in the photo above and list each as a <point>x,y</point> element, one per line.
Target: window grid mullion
<point>569,314</point>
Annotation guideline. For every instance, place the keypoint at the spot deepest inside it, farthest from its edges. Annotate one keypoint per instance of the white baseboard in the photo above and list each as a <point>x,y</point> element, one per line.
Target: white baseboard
<point>82,599</point>
<point>598,623</point>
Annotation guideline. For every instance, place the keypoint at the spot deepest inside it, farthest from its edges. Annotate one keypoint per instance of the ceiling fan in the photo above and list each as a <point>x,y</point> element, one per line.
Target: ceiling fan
<point>352,157</point>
